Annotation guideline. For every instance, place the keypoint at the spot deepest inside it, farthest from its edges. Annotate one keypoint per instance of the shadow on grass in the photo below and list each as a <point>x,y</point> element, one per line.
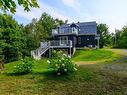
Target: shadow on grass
<point>16,74</point>
<point>47,75</point>
<point>80,75</point>
<point>51,75</point>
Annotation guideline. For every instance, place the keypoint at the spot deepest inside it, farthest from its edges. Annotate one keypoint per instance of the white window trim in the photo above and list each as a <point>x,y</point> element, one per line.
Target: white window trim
<point>79,40</point>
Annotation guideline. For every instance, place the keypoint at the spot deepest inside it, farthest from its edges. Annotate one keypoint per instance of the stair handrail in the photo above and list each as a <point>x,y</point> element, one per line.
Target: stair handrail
<point>43,44</point>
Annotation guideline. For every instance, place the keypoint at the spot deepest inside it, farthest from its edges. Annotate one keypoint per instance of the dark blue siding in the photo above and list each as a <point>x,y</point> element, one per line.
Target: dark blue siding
<point>86,40</point>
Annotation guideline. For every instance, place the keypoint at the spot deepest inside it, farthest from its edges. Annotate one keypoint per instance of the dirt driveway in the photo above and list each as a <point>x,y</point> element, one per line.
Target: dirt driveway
<point>113,75</point>
<point>118,66</point>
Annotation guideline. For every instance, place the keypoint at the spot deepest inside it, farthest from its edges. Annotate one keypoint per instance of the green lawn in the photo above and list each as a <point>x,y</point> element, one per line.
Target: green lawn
<point>95,79</point>
<point>94,55</point>
<point>41,81</point>
<point>39,66</point>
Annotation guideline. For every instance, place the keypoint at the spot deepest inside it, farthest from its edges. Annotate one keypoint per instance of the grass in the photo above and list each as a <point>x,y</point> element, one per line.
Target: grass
<point>41,80</point>
<point>39,66</point>
<point>94,55</point>
<point>90,79</point>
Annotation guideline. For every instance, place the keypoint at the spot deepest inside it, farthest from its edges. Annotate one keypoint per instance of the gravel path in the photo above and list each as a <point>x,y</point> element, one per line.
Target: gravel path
<point>118,66</point>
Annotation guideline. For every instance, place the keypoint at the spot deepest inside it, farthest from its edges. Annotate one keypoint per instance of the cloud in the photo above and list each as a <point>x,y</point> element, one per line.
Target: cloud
<point>36,12</point>
<point>72,3</point>
<point>111,12</point>
<point>114,15</point>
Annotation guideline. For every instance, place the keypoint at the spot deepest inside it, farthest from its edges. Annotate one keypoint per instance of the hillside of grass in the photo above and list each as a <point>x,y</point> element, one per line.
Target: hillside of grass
<point>94,55</point>
<point>95,79</point>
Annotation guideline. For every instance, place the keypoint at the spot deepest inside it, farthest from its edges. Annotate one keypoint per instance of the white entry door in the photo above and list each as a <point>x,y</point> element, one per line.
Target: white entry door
<point>63,40</point>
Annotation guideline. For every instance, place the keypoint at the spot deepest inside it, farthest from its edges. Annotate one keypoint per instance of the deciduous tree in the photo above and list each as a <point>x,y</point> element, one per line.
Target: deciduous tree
<point>10,5</point>
<point>10,40</point>
<point>105,36</point>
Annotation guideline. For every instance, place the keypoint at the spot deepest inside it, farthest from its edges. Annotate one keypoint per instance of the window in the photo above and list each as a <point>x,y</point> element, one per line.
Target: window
<point>79,40</point>
<point>63,40</point>
<point>73,28</point>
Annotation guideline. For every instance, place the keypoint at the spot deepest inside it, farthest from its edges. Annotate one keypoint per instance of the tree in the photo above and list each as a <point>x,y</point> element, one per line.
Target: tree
<point>31,37</point>
<point>116,37</point>
<point>39,30</point>
<point>59,22</point>
<point>121,38</point>
<point>105,37</point>
<point>10,5</point>
<point>47,23</point>
<point>10,40</point>
<point>1,54</point>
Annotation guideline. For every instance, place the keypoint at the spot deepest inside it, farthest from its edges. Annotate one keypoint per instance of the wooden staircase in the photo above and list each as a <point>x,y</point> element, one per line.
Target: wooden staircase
<point>36,54</point>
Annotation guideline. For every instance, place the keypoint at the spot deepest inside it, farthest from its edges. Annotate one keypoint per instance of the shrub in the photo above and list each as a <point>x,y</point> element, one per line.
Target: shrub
<point>24,67</point>
<point>61,63</point>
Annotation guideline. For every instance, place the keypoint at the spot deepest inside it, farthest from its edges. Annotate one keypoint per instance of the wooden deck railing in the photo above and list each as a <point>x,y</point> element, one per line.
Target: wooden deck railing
<point>50,44</point>
<point>62,31</point>
<point>56,43</point>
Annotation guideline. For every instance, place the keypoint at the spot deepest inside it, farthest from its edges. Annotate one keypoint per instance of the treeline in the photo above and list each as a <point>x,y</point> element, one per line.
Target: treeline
<point>112,40</point>
<point>120,38</point>
<point>16,41</point>
<point>105,35</point>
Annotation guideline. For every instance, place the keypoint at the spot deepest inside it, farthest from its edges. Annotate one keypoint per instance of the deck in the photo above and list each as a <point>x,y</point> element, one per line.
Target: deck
<point>49,45</point>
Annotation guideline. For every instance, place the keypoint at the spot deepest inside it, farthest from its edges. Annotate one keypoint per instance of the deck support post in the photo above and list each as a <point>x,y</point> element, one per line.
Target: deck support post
<point>70,51</point>
<point>70,47</point>
<point>98,43</point>
<point>97,37</point>
<point>49,49</point>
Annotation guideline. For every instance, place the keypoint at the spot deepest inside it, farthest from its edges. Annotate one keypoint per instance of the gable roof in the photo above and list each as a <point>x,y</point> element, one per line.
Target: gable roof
<point>85,28</point>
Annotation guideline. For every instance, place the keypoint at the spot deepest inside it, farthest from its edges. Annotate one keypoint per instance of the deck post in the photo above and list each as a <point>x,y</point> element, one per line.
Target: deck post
<point>70,51</point>
<point>49,49</point>
<point>98,43</point>
<point>98,39</point>
<point>70,47</point>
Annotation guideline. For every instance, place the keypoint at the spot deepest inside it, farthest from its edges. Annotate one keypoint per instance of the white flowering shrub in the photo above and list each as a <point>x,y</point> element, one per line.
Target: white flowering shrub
<point>24,67</point>
<point>62,64</point>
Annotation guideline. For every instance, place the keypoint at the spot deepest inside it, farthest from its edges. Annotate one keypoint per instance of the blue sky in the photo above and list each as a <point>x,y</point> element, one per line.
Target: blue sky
<point>111,12</point>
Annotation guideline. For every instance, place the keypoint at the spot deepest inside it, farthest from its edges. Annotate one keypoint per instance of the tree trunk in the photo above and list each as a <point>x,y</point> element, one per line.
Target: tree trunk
<point>1,65</point>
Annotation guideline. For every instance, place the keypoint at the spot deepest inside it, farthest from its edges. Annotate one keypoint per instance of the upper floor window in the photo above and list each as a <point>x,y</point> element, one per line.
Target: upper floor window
<point>73,28</point>
<point>79,40</point>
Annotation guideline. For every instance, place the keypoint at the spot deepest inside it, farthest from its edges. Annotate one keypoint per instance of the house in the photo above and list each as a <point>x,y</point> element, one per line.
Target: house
<point>69,37</point>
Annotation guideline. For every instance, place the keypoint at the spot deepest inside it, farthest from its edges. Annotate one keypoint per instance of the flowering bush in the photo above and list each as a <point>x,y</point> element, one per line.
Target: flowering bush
<point>61,63</point>
<point>24,67</point>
